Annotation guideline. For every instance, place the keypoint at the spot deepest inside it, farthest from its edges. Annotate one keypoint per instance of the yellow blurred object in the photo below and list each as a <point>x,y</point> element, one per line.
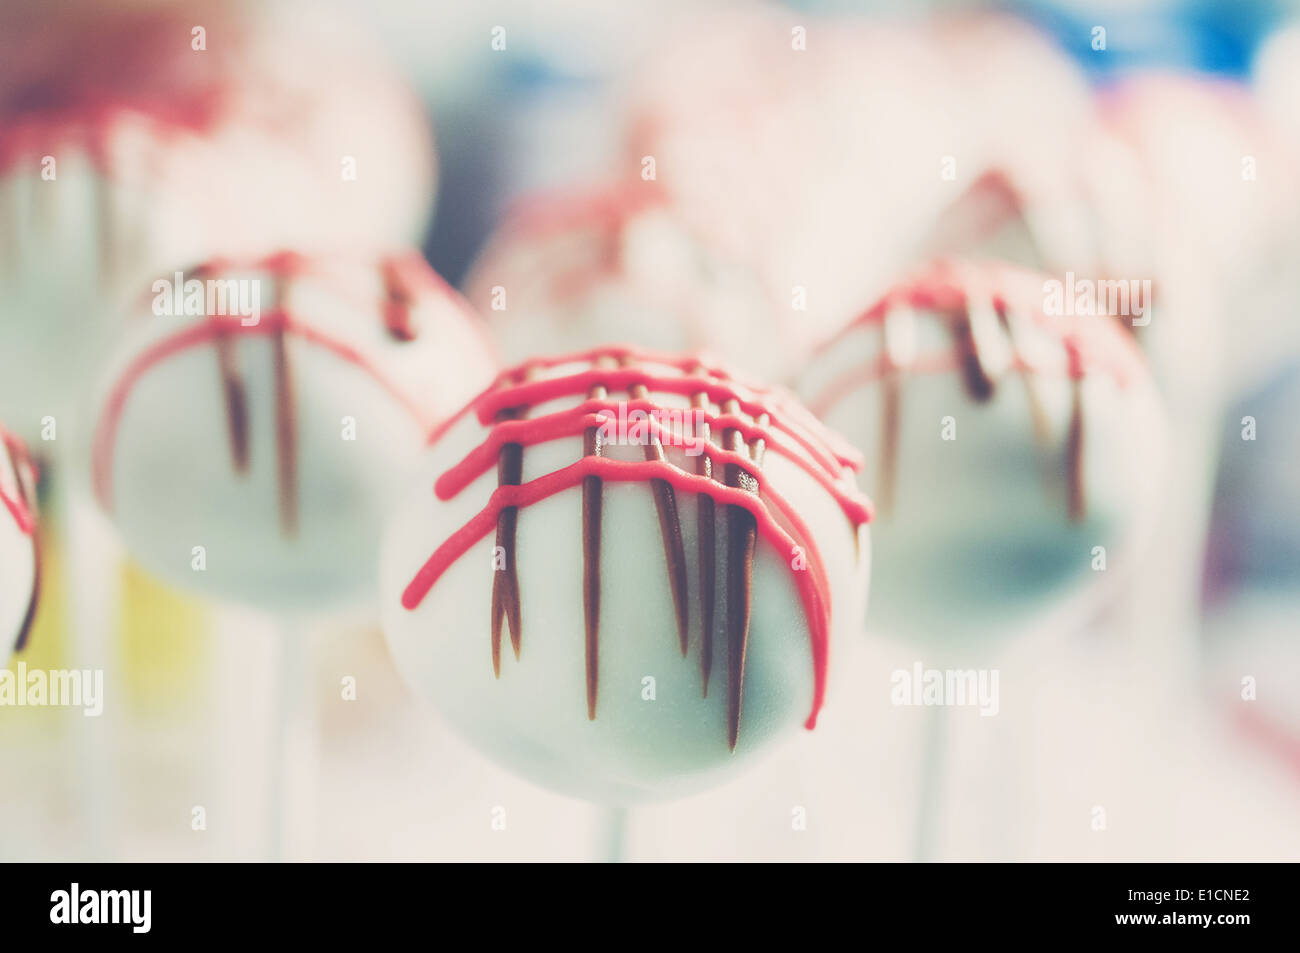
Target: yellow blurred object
<point>163,641</point>
<point>161,634</point>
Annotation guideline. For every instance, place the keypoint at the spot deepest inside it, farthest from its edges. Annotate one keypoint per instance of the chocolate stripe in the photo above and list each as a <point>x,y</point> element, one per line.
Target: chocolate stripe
<point>1074,456</point>
<point>505,581</point>
<point>979,384</point>
<point>670,529</point>
<point>706,532</point>
<point>236,400</point>
<point>1037,415</point>
<point>891,401</point>
<point>742,535</point>
<point>399,319</point>
<point>286,435</point>
<point>591,511</point>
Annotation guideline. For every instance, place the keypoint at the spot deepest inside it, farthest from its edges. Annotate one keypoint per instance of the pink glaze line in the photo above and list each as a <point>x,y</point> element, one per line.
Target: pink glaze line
<point>948,286</point>
<point>596,412</point>
<point>812,584</point>
<point>788,430</point>
<point>17,505</point>
<point>532,393</point>
<point>209,330</point>
<point>829,450</point>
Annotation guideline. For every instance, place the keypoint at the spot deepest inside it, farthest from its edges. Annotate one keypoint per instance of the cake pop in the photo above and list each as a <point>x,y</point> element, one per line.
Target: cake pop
<point>136,137</point>
<point>794,139</point>
<point>567,272</point>
<point>1026,204</point>
<point>274,436</point>
<point>670,550</point>
<point>1008,444</point>
<point>1215,230</point>
<point>1277,79</point>
<point>19,549</point>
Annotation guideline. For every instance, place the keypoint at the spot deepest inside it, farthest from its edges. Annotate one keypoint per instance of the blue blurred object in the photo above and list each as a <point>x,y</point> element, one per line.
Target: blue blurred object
<point>1208,36</point>
<point>535,124</point>
<point>1255,529</point>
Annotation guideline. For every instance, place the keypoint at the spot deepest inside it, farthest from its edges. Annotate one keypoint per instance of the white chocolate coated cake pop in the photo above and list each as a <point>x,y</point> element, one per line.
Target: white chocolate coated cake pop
<point>1216,231</point>
<point>276,439</point>
<point>1006,445</point>
<point>830,153</point>
<point>568,272</point>
<point>140,137</point>
<point>670,552</point>
<point>19,546</point>
<point>1025,205</point>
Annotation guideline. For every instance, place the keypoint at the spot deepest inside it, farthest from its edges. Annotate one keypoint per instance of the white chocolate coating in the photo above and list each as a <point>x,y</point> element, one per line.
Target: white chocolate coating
<point>18,572</point>
<point>362,403</point>
<point>977,537</point>
<point>239,149</point>
<point>533,719</point>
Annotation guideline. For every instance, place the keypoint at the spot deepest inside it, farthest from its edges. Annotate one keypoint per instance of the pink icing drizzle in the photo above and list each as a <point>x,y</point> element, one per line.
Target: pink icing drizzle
<point>791,432</point>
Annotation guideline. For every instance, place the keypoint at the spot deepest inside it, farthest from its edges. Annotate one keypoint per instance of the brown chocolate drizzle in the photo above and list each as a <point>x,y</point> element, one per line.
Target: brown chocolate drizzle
<point>750,512</point>
<point>505,582</point>
<point>706,531</point>
<point>1037,415</point>
<point>670,528</point>
<point>979,383</point>
<point>980,374</point>
<point>1074,455</point>
<point>742,537</point>
<point>286,434</point>
<point>232,385</point>
<point>892,397</point>
<point>592,490</point>
<point>400,296</point>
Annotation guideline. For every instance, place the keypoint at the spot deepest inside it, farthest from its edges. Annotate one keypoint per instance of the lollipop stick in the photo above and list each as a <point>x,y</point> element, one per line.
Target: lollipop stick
<point>244,679</point>
<point>613,834</point>
<point>929,800</point>
<point>91,562</point>
<point>265,736</point>
<point>295,753</point>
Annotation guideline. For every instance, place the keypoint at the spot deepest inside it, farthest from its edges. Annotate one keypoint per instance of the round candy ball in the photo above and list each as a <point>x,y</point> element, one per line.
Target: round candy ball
<point>1014,452</point>
<point>254,431</point>
<point>625,575</point>
<point>142,136</point>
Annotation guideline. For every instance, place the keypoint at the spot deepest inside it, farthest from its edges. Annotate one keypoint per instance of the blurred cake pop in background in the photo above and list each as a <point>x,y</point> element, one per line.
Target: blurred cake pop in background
<point>618,265</point>
<point>794,143</point>
<point>137,137</point>
<point>1277,79</point>
<point>1253,572</point>
<point>1215,230</point>
<point>712,549</point>
<point>19,550</point>
<point>251,452</point>
<point>1004,445</point>
<point>1021,205</point>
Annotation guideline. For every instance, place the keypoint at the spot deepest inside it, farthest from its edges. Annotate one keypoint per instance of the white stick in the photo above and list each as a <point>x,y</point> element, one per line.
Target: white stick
<point>91,563</point>
<point>613,834</point>
<point>266,751</point>
<point>244,679</point>
<point>295,767</point>
<point>932,775</point>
